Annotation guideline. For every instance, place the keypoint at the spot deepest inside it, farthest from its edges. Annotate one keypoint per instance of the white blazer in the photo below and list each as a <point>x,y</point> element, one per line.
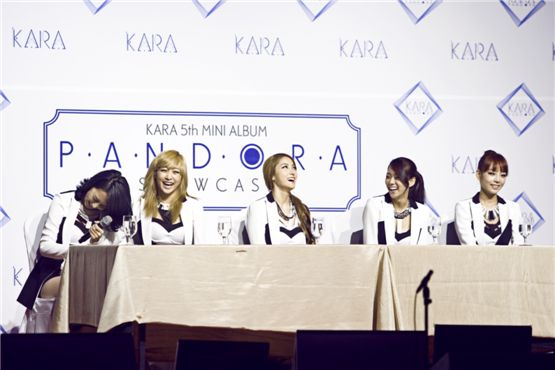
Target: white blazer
<point>469,222</point>
<point>65,205</point>
<point>380,209</point>
<point>191,216</point>
<point>263,224</point>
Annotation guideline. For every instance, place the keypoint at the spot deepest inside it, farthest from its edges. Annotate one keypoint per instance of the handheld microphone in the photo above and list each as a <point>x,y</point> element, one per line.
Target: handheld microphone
<point>104,222</point>
<point>424,281</point>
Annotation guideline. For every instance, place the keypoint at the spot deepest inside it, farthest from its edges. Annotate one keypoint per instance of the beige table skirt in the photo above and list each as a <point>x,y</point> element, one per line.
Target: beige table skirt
<point>285,288</point>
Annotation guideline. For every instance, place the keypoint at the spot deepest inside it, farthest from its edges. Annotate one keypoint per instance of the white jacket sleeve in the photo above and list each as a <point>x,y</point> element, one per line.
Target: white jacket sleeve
<point>256,222</point>
<point>463,223</point>
<point>48,246</point>
<point>370,218</point>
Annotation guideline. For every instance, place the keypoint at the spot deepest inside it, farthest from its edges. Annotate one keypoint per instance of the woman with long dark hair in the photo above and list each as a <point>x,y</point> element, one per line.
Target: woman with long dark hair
<point>279,217</point>
<point>74,217</point>
<point>400,215</point>
<point>486,218</point>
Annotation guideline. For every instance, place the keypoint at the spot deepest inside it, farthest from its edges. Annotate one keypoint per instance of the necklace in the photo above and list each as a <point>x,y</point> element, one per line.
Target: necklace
<point>491,214</point>
<point>283,215</point>
<point>401,215</point>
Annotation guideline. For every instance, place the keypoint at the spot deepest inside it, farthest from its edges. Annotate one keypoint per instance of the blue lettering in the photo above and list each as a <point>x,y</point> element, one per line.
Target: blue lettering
<point>150,151</point>
<point>111,148</point>
<point>64,153</point>
<point>335,154</point>
<point>207,150</point>
<point>295,156</point>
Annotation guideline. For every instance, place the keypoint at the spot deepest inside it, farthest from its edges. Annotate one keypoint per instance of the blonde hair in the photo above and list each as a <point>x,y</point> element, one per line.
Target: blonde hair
<point>167,159</point>
<point>268,172</point>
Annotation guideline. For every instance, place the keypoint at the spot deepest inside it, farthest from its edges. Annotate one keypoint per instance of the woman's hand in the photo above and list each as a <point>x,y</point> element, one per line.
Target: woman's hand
<point>96,232</point>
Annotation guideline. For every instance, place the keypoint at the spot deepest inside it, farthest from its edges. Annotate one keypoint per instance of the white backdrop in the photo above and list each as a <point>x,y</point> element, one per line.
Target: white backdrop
<point>344,86</point>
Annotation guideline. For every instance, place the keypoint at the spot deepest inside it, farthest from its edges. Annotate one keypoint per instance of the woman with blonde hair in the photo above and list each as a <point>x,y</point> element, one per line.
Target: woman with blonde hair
<point>167,213</point>
<point>279,217</point>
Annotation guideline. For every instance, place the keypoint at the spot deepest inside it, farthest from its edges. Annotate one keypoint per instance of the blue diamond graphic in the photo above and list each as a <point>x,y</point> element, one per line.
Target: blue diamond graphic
<point>521,10</point>
<point>96,5</point>
<point>4,218</point>
<point>434,211</point>
<point>528,207</point>
<point>315,8</point>
<point>207,7</point>
<point>4,101</point>
<point>419,9</point>
<point>520,109</point>
<point>418,107</point>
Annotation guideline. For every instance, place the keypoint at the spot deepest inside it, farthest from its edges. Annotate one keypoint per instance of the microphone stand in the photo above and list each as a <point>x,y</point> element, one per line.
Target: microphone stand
<point>427,301</point>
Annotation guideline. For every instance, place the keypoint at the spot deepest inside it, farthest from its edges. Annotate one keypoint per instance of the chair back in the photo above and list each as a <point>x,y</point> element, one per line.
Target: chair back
<point>32,230</point>
<point>451,236</point>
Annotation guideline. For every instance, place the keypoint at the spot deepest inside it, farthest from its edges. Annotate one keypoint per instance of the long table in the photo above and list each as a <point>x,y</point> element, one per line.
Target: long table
<point>285,288</point>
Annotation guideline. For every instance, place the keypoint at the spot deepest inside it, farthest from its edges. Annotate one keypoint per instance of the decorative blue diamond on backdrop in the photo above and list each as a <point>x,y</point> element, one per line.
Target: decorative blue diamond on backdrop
<point>520,109</point>
<point>4,218</point>
<point>434,211</point>
<point>418,107</point>
<point>4,101</point>
<point>96,5</point>
<point>527,207</point>
<point>419,9</point>
<point>521,10</point>
<point>315,8</point>
<point>207,7</point>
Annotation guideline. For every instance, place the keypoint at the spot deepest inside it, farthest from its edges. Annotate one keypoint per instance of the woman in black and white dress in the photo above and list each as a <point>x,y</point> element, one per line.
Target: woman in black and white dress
<point>73,218</point>
<point>400,215</point>
<point>167,213</point>
<point>279,217</point>
<point>486,218</point>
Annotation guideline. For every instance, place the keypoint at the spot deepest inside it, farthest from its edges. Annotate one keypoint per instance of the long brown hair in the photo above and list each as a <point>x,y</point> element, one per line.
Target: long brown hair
<point>168,159</point>
<point>268,171</point>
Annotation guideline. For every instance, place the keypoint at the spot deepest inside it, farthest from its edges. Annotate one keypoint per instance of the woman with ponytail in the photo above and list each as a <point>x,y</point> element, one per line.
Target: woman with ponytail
<point>400,216</point>
<point>279,217</point>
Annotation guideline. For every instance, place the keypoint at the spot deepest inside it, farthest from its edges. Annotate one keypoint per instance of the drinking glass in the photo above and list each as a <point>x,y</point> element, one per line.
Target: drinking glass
<point>434,229</point>
<point>129,226</point>
<point>317,227</point>
<point>525,227</point>
<point>224,228</point>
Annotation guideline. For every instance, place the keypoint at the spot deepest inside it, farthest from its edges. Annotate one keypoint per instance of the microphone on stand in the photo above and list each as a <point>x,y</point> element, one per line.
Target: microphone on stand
<point>424,282</point>
<point>104,222</point>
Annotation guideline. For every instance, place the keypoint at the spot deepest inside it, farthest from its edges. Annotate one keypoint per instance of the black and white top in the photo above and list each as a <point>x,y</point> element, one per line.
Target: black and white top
<point>379,223</point>
<point>473,230</point>
<point>264,226</point>
<point>188,230</point>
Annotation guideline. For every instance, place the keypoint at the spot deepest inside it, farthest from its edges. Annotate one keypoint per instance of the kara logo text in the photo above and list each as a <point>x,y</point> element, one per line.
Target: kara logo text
<point>461,50</point>
<point>464,164</point>
<point>150,43</point>
<point>362,49</point>
<point>258,45</point>
<point>37,39</point>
